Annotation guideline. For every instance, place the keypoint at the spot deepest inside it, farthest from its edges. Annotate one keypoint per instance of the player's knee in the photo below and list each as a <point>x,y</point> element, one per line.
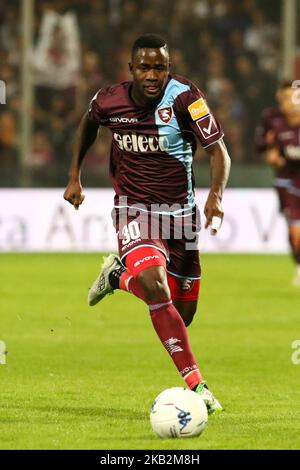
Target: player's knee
<point>154,283</point>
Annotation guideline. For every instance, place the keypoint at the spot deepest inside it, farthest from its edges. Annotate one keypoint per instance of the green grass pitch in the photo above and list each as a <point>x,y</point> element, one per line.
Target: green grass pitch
<point>84,378</point>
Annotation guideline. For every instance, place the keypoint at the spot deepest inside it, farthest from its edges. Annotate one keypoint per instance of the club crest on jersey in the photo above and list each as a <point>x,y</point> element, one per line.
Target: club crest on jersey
<point>165,114</point>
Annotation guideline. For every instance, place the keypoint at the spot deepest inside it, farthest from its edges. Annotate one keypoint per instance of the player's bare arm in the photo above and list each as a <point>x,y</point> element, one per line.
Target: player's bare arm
<point>220,168</point>
<point>85,137</point>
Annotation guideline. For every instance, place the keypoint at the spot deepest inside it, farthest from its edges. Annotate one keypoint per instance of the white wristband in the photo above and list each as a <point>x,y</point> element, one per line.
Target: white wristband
<point>216,222</point>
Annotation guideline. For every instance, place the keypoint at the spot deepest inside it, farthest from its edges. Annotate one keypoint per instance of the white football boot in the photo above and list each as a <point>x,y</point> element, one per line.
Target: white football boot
<point>101,286</point>
<point>211,402</point>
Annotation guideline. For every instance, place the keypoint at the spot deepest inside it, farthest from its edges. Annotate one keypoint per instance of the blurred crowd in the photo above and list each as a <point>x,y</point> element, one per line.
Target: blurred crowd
<point>229,48</point>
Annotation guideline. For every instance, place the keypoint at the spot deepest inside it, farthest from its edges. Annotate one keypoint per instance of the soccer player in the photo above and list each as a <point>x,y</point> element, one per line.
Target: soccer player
<point>278,138</point>
<point>156,120</point>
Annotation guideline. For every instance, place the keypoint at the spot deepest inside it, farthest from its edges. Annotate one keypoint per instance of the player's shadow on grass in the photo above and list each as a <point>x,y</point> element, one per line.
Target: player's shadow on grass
<point>100,412</point>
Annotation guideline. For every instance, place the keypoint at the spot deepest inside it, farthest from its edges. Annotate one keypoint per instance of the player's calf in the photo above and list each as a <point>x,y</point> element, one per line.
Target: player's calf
<point>186,309</point>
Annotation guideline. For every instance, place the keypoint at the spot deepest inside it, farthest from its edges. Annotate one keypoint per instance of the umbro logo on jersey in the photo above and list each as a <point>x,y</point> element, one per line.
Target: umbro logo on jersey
<point>165,114</point>
<point>123,120</point>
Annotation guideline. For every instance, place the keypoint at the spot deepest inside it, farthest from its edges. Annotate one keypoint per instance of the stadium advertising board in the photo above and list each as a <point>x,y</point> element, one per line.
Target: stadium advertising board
<point>40,220</point>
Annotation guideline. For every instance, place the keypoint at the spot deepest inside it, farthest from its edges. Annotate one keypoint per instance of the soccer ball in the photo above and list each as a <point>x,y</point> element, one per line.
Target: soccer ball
<point>178,412</point>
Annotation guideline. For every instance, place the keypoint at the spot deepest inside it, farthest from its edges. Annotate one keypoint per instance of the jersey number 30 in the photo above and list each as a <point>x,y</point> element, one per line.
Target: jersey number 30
<point>130,232</point>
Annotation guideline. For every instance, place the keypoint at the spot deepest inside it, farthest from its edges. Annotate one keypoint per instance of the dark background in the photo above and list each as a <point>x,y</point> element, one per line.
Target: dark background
<point>230,49</point>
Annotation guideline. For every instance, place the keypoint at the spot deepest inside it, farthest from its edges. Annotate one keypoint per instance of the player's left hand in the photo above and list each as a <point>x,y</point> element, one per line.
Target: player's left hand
<point>213,212</point>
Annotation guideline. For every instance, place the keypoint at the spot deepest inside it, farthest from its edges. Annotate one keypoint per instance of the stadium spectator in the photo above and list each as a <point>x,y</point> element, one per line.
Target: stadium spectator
<point>56,57</point>
<point>261,37</point>
<point>41,153</point>
<point>230,49</point>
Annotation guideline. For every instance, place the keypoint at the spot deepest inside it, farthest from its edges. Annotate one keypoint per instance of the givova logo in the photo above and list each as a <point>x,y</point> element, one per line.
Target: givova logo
<point>146,258</point>
<point>2,92</point>
<point>123,120</point>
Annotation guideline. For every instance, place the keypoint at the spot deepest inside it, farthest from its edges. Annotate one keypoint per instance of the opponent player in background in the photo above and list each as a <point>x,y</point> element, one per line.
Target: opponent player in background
<point>155,120</point>
<point>278,137</point>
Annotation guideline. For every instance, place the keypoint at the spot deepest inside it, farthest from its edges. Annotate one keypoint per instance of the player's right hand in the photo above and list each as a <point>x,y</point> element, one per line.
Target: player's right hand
<point>73,194</point>
<point>213,212</point>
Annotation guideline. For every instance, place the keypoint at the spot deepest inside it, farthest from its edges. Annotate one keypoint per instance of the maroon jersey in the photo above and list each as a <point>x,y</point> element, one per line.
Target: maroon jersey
<point>286,140</point>
<point>152,147</point>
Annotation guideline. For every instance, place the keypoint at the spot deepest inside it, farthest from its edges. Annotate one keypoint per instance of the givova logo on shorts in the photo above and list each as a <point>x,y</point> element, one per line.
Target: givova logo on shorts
<point>146,258</point>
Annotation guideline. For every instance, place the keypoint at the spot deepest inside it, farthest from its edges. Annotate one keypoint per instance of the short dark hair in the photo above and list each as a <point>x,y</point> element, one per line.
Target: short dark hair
<point>151,41</point>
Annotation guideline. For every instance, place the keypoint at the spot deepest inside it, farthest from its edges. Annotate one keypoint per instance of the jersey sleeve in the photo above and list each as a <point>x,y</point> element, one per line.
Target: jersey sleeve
<point>197,118</point>
<point>96,111</point>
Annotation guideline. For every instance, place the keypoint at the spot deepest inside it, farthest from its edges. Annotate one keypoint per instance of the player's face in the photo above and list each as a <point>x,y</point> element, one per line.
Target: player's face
<point>286,102</point>
<point>150,69</point>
